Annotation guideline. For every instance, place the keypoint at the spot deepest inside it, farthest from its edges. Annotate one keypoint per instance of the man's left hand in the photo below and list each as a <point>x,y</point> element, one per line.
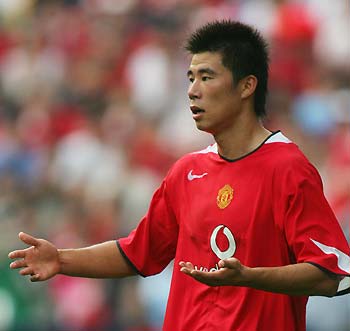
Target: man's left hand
<point>231,273</point>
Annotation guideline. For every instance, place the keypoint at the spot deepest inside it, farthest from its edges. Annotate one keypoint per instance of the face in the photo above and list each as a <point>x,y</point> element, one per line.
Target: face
<point>214,100</point>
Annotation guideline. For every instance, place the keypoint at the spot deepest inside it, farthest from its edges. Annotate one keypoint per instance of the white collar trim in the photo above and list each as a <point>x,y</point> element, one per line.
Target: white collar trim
<point>278,138</point>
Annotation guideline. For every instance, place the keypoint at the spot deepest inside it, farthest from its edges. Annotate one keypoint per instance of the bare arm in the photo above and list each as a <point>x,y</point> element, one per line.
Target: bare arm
<point>99,261</point>
<point>294,279</point>
<point>42,260</point>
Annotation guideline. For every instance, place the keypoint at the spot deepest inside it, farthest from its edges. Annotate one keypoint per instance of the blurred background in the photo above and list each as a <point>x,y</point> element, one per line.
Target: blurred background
<point>94,111</point>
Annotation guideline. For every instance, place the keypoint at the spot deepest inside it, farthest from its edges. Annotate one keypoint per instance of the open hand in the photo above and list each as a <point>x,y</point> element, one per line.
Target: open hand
<point>231,273</point>
<point>40,261</point>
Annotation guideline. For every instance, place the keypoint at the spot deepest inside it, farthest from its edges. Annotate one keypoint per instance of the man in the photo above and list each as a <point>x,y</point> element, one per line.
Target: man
<point>245,219</point>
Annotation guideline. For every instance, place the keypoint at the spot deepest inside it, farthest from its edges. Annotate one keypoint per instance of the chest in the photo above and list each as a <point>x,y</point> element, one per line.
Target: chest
<point>227,195</point>
<point>223,209</point>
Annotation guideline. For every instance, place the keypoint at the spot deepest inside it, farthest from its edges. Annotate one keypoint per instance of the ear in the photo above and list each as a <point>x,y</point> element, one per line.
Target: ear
<point>248,86</point>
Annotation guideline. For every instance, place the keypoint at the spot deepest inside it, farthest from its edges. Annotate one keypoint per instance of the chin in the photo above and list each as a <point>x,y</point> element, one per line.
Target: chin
<point>204,128</point>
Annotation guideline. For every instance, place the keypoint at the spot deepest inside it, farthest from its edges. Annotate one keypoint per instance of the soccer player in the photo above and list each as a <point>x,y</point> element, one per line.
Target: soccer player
<point>245,219</point>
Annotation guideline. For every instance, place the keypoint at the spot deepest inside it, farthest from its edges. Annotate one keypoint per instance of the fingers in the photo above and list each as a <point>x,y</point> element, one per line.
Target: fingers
<point>18,264</point>
<point>205,277</point>
<point>28,239</point>
<point>231,263</point>
<point>228,273</point>
<point>186,267</point>
<point>21,255</point>
<point>209,278</point>
<point>17,254</point>
<point>35,278</point>
<point>186,264</point>
<point>26,271</point>
<point>29,271</point>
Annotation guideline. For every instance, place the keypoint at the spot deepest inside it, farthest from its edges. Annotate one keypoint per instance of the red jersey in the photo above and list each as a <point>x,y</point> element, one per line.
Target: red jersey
<point>267,209</point>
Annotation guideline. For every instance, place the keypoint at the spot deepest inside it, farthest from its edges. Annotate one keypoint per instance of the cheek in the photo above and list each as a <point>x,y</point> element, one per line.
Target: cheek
<point>228,100</point>
<point>221,95</point>
<point>217,96</point>
<point>228,107</point>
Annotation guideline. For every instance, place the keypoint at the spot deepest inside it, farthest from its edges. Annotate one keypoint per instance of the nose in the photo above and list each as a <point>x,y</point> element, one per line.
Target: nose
<point>193,90</point>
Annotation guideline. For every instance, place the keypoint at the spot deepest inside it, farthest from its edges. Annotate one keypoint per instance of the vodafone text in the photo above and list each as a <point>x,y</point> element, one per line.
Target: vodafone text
<point>216,268</point>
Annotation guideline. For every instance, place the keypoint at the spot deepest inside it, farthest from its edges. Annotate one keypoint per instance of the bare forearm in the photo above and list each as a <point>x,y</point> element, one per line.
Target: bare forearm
<point>99,261</point>
<point>295,279</point>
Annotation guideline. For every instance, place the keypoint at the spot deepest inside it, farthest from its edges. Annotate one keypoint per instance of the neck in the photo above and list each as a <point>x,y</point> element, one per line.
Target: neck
<point>241,139</point>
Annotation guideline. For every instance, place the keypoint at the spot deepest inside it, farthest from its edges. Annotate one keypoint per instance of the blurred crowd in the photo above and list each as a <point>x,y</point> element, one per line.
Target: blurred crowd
<point>94,111</point>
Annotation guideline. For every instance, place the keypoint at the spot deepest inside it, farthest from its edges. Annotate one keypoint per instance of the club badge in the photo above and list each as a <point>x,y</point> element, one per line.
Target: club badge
<point>225,196</point>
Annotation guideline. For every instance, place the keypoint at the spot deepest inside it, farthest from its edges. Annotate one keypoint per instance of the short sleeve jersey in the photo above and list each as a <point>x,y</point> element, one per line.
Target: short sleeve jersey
<point>266,209</point>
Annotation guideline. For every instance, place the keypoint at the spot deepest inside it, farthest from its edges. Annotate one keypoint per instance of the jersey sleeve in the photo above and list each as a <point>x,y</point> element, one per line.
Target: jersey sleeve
<point>151,246</point>
<point>311,228</point>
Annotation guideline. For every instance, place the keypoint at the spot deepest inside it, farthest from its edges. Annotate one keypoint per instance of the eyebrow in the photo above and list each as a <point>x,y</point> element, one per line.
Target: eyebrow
<point>202,71</point>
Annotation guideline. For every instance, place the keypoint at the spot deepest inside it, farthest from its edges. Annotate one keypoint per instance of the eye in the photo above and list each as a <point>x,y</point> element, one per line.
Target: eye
<point>191,79</point>
<point>205,78</point>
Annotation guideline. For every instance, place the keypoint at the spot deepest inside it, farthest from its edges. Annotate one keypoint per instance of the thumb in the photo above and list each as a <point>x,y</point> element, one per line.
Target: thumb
<point>231,263</point>
<point>28,239</point>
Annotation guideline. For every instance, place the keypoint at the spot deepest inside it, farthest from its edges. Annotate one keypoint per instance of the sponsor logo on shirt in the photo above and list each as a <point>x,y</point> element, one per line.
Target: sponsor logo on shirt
<point>191,176</point>
<point>222,255</point>
<point>216,268</point>
<point>225,196</point>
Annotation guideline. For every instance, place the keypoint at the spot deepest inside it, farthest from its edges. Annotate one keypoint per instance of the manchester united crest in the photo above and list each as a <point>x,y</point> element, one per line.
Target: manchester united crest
<point>225,196</point>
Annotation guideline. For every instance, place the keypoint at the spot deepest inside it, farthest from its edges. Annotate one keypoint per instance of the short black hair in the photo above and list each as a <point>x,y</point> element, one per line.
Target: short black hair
<point>244,52</point>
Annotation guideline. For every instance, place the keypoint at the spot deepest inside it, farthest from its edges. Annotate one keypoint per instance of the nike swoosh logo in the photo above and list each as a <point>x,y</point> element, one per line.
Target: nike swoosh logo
<point>191,177</point>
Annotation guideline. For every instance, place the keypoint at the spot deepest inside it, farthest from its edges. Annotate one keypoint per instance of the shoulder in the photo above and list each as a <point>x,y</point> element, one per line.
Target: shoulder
<point>289,162</point>
<point>197,156</point>
<point>192,160</point>
<point>283,152</point>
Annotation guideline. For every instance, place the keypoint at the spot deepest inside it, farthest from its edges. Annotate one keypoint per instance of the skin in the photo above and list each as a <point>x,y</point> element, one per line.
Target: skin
<point>42,260</point>
<point>228,110</point>
<point>294,279</point>
<point>229,116</point>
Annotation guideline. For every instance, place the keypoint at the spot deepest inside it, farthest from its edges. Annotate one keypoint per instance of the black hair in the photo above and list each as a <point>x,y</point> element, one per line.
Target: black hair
<point>244,52</point>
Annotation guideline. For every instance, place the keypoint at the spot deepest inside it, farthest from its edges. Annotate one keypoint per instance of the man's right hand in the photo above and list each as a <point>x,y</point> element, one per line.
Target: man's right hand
<point>40,261</point>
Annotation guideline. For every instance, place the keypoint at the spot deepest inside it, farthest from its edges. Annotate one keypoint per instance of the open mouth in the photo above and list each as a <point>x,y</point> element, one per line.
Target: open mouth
<point>196,110</point>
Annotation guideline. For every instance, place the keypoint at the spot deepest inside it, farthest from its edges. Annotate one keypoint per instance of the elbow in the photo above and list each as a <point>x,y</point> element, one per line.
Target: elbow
<point>333,287</point>
<point>329,287</point>
<point>330,291</point>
